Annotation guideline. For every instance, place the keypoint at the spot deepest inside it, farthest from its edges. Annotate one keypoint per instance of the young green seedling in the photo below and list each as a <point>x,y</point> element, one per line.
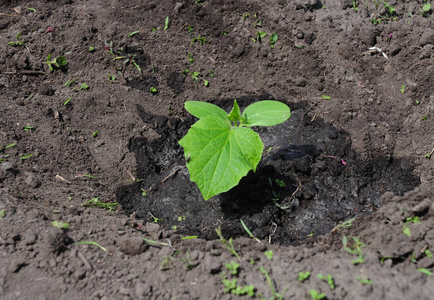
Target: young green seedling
<point>92,243</point>
<point>328,279</point>
<point>364,280</point>
<point>96,203</point>
<point>273,40</point>
<point>269,254</point>
<point>2,213</point>
<point>57,62</point>
<point>221,147</point>
<point>259,36</point>
<point>233,267</point>
<point>18,42</point>
<point>402,89</point>
<point>276,295</point>
<point>190,58</point>
<point>153,90</point>
<point>425,271</point>
<point>249,232</point>
<point>60,224</point>
<point>356,248</point>
<point>317,295</point>
<point>303,276</point>
<point>156,220</point>
<point>424,11</point>
<point>91,49</point>
<point>201,39</point>
<point>132,33</point>
<point>166,23</point>
<point>228,244</point>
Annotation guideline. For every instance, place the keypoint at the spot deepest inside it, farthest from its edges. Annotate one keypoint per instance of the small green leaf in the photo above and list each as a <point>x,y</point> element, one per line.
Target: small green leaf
<point>92,243</point>
<point>425,271</point>
<point>266,113</point>
<point>220,155</point>
<point>2,214</point>
<point>273,39</point>
<point>60,224</point>
<point>190,237</point>
<point>406,230</point>
<point>269,254</point>
<point>235,114</point>
<point>203,109</point>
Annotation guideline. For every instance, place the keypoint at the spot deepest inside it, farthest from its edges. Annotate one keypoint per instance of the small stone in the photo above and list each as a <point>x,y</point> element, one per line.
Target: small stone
<point>6,166</point>
<point>79,274</point>
<point>32,181</point>
<point>427,37</point>
<point>152,228</point>
<point>300,81</point>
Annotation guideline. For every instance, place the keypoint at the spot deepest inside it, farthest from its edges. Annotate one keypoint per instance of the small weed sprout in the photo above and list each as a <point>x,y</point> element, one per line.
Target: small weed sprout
<point>166,23</point>
<point>60,224</point>
<point>273,39</point>
<point>425,10</point>
<point>95,202</point>
<point>402,89</point>
<point>233,267</point>
<point>18,42</point>
<point>57,62</point>
<point>302,276</point>
<point>315,295</point>
<point>328,279</point>
<point>355,249</point>
<point>201,39</point>
<point>153,90</point>
<point>228,244</point>
<point>259,36</point>
<point>276,295</point>
<point>269,254</point>
<point>364,280</point>
<point>156,220</point>
<point>131,34</point>
<point>92,243</point>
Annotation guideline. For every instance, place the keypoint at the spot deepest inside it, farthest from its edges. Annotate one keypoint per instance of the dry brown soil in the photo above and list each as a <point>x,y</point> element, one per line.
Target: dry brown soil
<point>356,146</point>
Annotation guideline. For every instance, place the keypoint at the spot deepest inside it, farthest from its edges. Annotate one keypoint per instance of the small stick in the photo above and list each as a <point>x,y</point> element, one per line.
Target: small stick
<point>61,178</point>
<point>84,260</point>
<point>171,174</point>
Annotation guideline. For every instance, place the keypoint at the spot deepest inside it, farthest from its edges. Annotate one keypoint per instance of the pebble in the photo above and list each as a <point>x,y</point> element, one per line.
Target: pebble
<point>32,181</point>
<point>7,166</point>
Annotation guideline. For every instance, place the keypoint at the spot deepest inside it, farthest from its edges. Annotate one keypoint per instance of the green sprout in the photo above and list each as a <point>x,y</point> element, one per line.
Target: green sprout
<point>402,89</point>
<point>153,90</point>
<point>67,101</point>
<point>190,58</point>
<point>269,254</point>
<point>24,157</point>
<point>425,271</point>
<point>228,244</point>
<point>355,5</point>
<point>259,36</point>
<point>95,134</point>
<point>315,295</point>
<point>325,97</point>
<point>302,276</point>
<point>132,33</point>
<point>364,280</point>
<point>60,225</point>
<point>112,78</point>
<point>276,295</point>
<point>91,49</point>
<point>95,202</point>
<point>273,39</point>
<point>92,243</point>
<point>233,267</point>
<point>57,62</point>
<point>166,23</point>
<point>201,39</point>
<point>2,213</point>
<point>328,279</point>
<point>18,42</point>
<point>424,11</point>
<point>69,82</point>
<point>354,249</point>
<point>249,232</point>
<point>156,220</point>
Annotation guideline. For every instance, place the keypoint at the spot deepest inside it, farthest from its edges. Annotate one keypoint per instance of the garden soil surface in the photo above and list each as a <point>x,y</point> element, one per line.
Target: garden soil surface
<point>344,188</point>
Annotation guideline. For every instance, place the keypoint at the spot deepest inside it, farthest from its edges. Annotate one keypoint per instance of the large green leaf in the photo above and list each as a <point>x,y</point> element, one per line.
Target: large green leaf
<point>203,109</point>
<point>266,113</point>
<point>220,155</point>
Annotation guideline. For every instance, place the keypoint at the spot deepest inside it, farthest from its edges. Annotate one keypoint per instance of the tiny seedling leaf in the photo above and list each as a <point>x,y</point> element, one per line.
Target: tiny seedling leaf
<point>249,232</point>
<point>273,40</point>
<point>92,243</point>
<point>269,254</point>
<point>60,224</point>
<point>189,237</point>
<point>425,271</point>
<point>166,23</point>
<point>203,109</point>
<point>2,214</point>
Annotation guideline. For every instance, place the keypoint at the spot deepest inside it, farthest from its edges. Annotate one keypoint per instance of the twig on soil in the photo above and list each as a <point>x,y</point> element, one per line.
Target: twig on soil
<point>3,14</point>
<point>131,176</point>
<point>61,178</point>
<point>26,72</point>
<point>171,174</point>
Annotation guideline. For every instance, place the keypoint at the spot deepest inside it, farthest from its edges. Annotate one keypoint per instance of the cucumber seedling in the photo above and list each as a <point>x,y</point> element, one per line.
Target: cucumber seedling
<point>57,62</point>
<point>221,147</point>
